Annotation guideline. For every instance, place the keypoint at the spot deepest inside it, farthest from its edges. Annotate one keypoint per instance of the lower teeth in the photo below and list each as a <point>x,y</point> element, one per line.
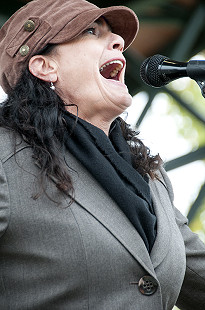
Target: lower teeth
<point>114,73</point>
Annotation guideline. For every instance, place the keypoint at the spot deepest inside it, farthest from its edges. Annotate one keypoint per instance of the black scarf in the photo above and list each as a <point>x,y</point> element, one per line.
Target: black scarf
<point>108,159</point>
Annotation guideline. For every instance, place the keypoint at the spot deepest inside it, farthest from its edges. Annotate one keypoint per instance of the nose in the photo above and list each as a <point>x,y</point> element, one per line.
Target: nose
<point>116,42</point>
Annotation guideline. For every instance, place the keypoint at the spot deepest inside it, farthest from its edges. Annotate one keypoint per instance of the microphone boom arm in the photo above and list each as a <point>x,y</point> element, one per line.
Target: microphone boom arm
<point>202,87</point>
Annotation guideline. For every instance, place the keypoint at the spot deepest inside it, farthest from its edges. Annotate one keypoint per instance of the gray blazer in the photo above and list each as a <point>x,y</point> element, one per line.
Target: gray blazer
<point>88,255</point>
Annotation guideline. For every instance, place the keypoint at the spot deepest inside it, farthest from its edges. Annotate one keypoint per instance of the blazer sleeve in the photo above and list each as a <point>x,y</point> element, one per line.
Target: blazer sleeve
<point>4,202</point>
<point>192,294</point>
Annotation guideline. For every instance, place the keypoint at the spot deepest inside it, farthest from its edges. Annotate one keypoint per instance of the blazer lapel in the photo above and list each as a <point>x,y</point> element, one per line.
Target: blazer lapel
<point>92,197</point>
<point>160,202</point>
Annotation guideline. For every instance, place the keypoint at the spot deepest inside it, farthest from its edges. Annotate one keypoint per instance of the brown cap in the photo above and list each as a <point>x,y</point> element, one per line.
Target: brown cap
<point>53,21</point>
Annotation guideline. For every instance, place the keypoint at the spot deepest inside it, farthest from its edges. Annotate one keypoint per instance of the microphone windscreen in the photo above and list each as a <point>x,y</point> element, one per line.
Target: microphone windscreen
<point>149,72</point>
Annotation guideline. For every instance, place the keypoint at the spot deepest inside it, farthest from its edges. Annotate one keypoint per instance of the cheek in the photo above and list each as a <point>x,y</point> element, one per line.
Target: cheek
<point>78,73</point>
<point>77,68</point>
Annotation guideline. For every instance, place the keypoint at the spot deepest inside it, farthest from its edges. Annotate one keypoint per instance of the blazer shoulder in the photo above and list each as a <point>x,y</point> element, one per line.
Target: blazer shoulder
<point>10,143</point>
<point>164,179</point>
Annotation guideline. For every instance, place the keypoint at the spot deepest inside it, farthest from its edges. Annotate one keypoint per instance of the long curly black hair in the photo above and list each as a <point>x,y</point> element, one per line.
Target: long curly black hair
<point>35,112</point>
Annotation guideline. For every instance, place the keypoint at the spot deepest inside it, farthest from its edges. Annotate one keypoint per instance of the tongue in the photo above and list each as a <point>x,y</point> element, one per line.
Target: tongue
<point>107,70</point>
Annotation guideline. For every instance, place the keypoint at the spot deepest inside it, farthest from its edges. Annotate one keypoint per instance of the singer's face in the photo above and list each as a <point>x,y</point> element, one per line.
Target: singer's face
<point>91,72</point>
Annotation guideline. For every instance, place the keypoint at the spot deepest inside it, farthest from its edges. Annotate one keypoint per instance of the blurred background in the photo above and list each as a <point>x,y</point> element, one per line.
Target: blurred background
<point>171,119</point>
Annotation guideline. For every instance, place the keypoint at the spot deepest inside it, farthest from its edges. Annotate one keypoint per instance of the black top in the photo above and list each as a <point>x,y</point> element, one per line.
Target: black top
<point>108,159</point>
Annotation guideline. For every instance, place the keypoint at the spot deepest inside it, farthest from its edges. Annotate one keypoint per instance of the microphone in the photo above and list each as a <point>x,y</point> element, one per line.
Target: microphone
<point>159,70</point>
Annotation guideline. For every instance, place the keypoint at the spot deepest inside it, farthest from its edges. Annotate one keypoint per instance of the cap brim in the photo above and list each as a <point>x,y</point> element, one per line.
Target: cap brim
<point>122,21</point>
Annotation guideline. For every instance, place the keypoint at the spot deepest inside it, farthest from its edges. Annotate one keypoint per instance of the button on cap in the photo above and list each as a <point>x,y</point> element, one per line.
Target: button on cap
<point>147,285</point>
<point>24,50</point>
<point>29,25</point>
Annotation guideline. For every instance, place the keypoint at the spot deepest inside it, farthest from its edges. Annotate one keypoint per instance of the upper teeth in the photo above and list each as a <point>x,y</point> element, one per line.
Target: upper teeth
<point>116,70</point>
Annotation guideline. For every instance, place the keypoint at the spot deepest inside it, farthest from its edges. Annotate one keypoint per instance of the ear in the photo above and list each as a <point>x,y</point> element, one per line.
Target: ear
<point>43,67</point>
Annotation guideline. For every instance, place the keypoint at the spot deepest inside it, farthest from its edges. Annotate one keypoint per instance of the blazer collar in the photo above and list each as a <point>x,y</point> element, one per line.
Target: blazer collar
<point>161,203</point>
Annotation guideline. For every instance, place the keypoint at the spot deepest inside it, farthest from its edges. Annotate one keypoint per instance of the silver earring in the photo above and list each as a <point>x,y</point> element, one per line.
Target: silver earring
<point>52,86</point>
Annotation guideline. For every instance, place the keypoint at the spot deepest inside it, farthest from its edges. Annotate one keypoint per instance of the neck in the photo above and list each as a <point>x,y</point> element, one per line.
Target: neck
<point>97,120</point>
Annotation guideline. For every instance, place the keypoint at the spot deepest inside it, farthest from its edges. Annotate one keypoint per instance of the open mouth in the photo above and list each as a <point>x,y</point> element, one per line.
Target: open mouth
<point>112,69</point>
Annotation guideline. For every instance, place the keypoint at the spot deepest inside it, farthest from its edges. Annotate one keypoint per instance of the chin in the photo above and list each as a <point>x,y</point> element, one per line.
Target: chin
<point>125,100</point>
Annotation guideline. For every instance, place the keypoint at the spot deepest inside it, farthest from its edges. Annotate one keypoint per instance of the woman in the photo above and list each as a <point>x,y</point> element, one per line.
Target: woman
<point>86,213</point>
